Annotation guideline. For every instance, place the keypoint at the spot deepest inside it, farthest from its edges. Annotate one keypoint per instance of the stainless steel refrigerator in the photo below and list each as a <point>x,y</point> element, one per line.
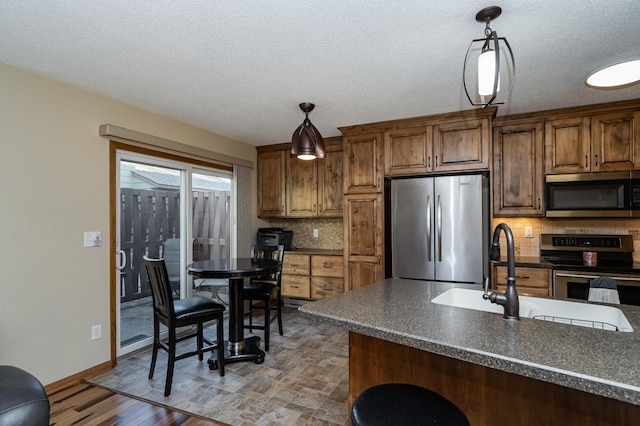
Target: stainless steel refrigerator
<point>440,228</point>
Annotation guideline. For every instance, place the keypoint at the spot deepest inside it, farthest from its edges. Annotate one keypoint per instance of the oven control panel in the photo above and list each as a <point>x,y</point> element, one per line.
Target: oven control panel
<point>571,242</point>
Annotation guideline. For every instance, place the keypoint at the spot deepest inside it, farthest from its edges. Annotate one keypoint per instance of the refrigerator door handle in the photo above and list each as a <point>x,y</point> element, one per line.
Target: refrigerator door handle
<point>439,219</point>
<point>429,228</point>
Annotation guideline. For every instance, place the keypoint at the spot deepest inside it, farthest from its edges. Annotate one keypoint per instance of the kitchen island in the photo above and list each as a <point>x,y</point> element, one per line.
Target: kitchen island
<point>497,371</point>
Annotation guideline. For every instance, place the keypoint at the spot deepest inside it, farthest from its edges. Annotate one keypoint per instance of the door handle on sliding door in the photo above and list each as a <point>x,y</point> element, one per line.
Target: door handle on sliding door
<point>121,260</point>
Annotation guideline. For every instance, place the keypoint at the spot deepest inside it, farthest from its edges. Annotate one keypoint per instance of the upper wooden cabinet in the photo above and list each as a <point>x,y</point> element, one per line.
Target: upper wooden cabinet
<point>330,181</point>
<point>309,188</point>
<point>302,188</point>
<point>593,143</point>
<point>408,151</point>
<point>363,171</point>
<point>517,169</point>
<point>462,145</point>
<point>271,183</point>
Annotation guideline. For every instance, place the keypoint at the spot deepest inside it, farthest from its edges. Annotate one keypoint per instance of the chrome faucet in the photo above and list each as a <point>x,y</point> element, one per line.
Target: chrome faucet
<point>508,299</point>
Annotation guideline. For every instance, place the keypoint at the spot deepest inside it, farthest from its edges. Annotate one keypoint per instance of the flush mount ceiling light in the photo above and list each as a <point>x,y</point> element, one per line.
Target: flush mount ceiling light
<point>489,68</point>
<point>616,76</point>
<point>306,142</point>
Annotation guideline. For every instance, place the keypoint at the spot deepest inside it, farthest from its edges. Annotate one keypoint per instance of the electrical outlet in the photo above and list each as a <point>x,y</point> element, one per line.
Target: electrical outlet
<point>528,231</point>
<point>96,332</point>
<point>315,233</point>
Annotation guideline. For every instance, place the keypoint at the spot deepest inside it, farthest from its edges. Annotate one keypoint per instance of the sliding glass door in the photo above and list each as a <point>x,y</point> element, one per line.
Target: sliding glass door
<point>166,209</point>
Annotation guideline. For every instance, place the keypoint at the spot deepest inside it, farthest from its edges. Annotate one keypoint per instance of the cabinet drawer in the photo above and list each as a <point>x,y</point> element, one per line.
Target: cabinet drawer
<point>526,277</point>
<point>324,287</point>
<point>295,286</point>
<point>327,266</point>
<point>296,264</point>
<point>529,281</point>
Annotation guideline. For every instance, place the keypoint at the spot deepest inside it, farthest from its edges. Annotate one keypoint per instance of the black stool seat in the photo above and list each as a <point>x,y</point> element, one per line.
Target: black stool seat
<point>406,405</point>
<point>23,400</point>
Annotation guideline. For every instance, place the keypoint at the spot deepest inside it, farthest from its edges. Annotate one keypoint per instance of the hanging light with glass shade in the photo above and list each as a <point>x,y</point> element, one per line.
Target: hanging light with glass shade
<point>489,68</point>
<point>306,142</point>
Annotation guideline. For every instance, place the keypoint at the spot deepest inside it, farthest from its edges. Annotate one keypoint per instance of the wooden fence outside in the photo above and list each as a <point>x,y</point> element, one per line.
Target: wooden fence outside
<point>149,217</point>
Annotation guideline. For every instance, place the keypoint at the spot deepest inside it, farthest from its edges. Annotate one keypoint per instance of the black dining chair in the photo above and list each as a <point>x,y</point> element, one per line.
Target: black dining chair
<point>265,289</point>
<point>191,311</point>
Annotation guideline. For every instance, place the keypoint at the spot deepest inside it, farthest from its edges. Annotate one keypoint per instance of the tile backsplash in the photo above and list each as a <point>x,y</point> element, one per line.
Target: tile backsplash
<point>531,246</point>
<point>330,232</point>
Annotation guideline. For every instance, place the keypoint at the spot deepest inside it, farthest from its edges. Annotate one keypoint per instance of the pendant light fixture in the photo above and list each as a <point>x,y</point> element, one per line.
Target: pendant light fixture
<point>489,68</point>
<point>306,142</point>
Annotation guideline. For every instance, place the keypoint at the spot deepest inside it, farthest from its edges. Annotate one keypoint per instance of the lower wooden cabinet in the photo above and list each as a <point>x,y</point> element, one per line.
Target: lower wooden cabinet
<point>310,276</point>
<point>529,281</point>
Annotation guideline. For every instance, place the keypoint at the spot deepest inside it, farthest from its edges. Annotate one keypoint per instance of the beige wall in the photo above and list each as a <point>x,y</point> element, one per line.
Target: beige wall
<point>54,186</point>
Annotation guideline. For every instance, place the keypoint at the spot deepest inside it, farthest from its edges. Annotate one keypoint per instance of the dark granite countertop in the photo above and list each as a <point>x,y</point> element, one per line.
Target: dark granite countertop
<point>527,261</point>
<point>399,310</point>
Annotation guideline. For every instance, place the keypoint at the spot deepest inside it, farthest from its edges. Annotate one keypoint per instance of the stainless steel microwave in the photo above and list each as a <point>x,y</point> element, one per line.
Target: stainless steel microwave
<point>610,194</point>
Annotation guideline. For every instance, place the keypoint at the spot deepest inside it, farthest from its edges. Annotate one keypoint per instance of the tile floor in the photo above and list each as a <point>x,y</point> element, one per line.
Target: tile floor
<point>303,381</point>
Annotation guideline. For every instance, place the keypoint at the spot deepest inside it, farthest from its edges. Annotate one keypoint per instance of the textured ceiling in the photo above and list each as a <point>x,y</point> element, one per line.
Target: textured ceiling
<point>240,68</point>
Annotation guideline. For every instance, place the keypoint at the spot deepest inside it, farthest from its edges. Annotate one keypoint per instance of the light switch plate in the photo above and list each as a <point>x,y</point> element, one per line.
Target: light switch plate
<point>93,239</point>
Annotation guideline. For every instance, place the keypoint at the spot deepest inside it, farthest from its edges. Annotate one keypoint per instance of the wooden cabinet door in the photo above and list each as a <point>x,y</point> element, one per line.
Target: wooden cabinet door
<point>567,145</point>
<point>529,281</point>
<point>271,183</point>
<point>408,151</point>
<point>302,188</point>
<point>461,145</point>
<point>363,222</point>
<point>330,182</point>
<point>613,139</point>
<point>517,169</point>
<point>363,171</point>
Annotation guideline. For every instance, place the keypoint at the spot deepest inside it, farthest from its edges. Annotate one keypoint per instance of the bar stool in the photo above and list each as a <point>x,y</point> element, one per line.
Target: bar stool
<point>406,405</point>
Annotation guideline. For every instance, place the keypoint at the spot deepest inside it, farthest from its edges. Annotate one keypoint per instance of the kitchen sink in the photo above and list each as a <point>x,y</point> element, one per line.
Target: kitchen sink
<point>555,310</point>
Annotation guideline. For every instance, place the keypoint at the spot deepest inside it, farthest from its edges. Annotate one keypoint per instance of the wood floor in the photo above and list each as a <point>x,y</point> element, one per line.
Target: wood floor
<point>86,404</point>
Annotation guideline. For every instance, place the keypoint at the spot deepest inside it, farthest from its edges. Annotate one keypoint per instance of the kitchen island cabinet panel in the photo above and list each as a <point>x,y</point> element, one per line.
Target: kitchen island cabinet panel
<point>486,396</point>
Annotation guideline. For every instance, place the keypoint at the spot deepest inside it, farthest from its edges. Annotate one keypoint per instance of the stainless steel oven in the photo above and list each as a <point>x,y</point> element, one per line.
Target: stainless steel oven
<point>575,285</point>
<point>579,259</point>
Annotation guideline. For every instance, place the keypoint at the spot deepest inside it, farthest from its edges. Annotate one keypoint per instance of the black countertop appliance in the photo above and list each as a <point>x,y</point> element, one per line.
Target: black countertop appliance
<point>274,237</point>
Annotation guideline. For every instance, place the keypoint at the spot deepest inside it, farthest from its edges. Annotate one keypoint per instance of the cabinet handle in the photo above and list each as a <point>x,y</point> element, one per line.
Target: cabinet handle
<point>327,265</point>
<point>586,161</point>
<point>596,158</point>
<point>522,278</point>
<point>294,286</point>
<point>539,201</point>
<point>429,161</point>
<point>436,161</point>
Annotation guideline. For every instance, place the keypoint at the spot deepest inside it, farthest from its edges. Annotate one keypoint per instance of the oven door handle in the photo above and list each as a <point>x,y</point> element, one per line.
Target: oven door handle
<point>562,274</point>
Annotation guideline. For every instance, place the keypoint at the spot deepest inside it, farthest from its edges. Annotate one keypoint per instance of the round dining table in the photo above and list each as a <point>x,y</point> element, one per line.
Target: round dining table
<point>236,270</point>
